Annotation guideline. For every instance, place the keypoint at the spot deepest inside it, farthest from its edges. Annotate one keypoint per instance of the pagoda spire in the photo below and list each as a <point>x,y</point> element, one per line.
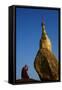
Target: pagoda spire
<point>44,41</point>
<point>43,29</point>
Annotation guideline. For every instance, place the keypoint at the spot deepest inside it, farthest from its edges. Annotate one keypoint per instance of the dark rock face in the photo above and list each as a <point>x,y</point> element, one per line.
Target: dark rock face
<point>46,65</point>
<point>26,81</point>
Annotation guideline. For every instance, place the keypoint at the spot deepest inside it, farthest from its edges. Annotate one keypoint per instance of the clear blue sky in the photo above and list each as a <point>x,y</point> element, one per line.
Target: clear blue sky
<point>28,33</point>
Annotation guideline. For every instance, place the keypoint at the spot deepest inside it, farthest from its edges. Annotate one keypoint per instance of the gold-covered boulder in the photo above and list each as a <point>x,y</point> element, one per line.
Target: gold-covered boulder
<point>46,65</point>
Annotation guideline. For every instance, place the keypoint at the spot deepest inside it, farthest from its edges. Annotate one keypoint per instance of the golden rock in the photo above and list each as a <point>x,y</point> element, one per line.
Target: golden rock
<point>46,64</point>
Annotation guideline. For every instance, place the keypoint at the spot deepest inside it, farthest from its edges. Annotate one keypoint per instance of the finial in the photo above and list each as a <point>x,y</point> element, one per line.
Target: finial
<point>43,29</point>
<point>43,23</point>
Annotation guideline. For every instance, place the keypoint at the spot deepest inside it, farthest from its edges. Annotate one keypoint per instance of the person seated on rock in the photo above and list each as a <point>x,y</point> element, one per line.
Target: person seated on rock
<point>24,74</point>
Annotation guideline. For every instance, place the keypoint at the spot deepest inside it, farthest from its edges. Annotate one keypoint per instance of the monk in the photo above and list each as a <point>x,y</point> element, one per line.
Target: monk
<point>24,74</point>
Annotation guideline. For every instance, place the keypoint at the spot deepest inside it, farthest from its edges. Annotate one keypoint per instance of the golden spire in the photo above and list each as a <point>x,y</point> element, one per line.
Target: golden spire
<point>45,41</point>
<point>43,29</point>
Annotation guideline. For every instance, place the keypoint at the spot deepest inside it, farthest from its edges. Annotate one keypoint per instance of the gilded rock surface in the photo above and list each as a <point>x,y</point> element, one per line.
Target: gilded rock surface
<point>46,65</point>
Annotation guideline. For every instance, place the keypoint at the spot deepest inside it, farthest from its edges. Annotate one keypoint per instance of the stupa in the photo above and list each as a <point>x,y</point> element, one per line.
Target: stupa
<point>45,63</point>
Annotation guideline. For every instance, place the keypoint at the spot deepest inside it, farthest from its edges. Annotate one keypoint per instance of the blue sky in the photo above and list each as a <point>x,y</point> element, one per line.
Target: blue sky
<point>28,34</point>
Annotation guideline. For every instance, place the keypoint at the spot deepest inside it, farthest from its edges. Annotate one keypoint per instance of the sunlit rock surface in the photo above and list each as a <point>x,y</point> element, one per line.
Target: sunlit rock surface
<point>46,65</point>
